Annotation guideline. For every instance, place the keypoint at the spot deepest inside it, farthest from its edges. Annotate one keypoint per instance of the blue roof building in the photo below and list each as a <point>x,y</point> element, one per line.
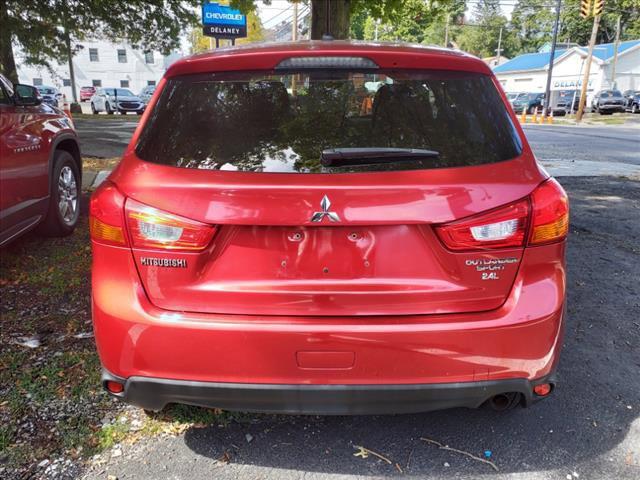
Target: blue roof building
<point>528,72</point>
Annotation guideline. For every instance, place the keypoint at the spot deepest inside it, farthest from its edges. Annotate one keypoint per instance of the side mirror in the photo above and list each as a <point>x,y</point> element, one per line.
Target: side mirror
<point>26,95</point>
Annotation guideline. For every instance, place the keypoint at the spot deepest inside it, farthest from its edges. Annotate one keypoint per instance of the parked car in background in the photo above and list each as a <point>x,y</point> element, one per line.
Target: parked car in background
<point>606,102</point>
<point>40,166</point>
<point>568,100</point>
<point>121,100</point>
<point>528,102</point>
<point>513,96</point>
<point>50,95</point>
<point>86,93</point>
<point>146,93</point>
<point>270,245</point>
<point>632,101</point>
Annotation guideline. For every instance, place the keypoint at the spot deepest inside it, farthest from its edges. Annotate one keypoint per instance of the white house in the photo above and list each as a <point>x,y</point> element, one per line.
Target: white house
<point>528,72</point>
<point>100,63</point>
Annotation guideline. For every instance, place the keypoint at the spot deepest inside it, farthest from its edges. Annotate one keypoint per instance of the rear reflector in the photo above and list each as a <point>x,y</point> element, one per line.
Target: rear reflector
<point>550,221</point>
<point>153,228</point>
<point>302,63</point>
<point>500,228</point>
<point>114,387</point>
<point>542,390</point>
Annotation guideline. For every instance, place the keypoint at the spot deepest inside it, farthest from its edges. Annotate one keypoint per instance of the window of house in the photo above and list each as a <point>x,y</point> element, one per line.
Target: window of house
<point>151,83</point>
<point>96,83</point>
<point>66,82</point>
<point>37,82</point>
<point>148,57</point>
<point>93,55</point>
<point>122,55</point>
<point>124,83</point>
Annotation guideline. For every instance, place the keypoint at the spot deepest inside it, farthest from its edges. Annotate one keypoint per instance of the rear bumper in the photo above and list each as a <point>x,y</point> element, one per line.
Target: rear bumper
<point>612,107</point>
<point>155,394</point>
<point>327,364</point>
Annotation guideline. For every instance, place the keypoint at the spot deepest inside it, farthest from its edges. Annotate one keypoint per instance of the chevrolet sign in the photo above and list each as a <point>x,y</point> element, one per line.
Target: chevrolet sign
<point>222,21</point>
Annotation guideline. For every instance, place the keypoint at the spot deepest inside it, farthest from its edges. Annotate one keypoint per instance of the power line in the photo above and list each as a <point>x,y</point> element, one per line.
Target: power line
<point>277,15</point>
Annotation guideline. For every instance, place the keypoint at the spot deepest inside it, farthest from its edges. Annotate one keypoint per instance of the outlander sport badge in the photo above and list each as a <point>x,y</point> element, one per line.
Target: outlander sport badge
<point>325,205</point>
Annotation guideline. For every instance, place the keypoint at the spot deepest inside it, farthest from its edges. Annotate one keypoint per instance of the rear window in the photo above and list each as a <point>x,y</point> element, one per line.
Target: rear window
<point>286,122</point>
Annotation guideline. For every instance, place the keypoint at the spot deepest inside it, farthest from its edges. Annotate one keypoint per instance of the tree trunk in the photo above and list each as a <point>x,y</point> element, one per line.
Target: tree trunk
<point>335,22</point>
<point>7,61</point>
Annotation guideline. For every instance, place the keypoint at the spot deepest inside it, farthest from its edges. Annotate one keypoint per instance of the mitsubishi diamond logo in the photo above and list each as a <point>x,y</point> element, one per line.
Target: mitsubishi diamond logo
<point>325,205</point>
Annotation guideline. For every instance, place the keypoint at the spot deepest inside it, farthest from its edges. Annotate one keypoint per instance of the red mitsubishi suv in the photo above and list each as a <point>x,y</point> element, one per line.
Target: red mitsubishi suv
<point>329,228</point>
<point>40,165</point>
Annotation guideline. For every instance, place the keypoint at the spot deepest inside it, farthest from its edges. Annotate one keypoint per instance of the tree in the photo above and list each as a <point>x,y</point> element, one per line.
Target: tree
<point>338,13</point>
<point>576,29</point>
<point>532,22</point>
<point>46,30</point>
<point>482,36</point>
<point>409,25</point>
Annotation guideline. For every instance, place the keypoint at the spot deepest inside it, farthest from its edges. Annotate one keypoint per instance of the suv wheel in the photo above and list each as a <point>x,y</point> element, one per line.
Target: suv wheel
<point>93,109</point>
<point>107,107</point>
<point>64,202</point>
<point>634,108</point>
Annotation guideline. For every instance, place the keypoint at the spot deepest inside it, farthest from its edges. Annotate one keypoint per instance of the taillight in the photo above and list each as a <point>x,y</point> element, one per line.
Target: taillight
<point>550,222</point>
<point>500,228</point>
<point>153,228</point>
<point>508,226</point>
<point>106,215</point>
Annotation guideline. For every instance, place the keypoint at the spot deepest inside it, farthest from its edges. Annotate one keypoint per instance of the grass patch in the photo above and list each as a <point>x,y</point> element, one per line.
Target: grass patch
<point>94,163</point>
<point>51,400</point>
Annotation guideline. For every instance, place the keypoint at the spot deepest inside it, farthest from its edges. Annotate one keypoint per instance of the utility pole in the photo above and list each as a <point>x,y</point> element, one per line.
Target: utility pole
<point>547,90</point>
<point>294,25</point>
<point>499,49</point>
<point>446,31</point>
<point>615,54</point>
<point>72,77</point>
<point>375,35</point>
<point>587,70</point>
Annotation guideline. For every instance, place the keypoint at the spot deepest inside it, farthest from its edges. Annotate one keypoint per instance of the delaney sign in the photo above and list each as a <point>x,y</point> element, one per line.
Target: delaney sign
<point>221,21</point>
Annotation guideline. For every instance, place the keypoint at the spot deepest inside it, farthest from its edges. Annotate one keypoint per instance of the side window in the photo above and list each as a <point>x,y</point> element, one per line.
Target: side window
<point>148,57</point>
<point>96,83</point>
<point>124,83</point>
<point>122,55</point>
<point>37,82</point>
<point>93,55</point>
<point>4,96</point>
<point>151,82</point>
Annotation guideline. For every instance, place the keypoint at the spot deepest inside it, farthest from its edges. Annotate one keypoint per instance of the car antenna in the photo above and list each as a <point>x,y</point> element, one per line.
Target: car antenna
<point>326,36</point>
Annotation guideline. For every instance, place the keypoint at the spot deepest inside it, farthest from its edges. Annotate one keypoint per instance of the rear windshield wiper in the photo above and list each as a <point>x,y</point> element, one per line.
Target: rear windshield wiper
<point>336,157</point>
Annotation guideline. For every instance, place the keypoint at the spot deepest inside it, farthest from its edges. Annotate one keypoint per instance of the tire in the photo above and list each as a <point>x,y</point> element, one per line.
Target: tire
<point>93,109</point>
<point>634,108</point>
<point>139,112</point>
<point>62,215</point>
<point>107,107</point>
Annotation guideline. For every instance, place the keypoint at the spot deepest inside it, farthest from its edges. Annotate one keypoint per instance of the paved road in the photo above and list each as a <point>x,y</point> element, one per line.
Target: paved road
<point>103,137</point>
<point>590,426</point>
<point>563,150</point>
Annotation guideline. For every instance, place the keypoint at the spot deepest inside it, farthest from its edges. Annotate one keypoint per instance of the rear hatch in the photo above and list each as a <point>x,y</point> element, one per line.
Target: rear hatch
<point>324,193</point>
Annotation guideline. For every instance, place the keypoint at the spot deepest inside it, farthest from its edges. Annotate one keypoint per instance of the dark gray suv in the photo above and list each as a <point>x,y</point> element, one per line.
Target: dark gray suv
<point>607,102</point>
